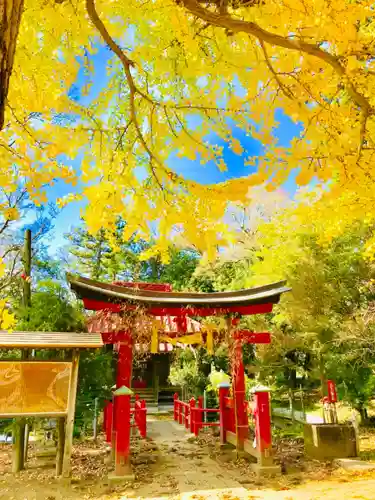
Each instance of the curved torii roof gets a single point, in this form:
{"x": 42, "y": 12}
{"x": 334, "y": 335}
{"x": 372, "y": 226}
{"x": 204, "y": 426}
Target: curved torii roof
{"x": 96, "y": 292}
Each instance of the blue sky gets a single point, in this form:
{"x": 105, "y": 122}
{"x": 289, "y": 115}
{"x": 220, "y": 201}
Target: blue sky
{"x": 206, "y": 174}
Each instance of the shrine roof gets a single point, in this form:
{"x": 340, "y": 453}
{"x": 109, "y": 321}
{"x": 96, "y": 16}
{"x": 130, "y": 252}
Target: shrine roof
{"x": 95, "y": 290}
{"x": 49, "y": 340}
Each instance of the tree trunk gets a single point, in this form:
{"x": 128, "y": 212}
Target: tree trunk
{"x": 60, "y": 445}
{"x": 364, "y": 415}
{"x": 10, "y": 13}
{"x": 18, "y": 445}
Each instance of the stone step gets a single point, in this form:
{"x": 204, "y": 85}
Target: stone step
{"x": 46, "y": 452}
{"x": 354, "y": 464}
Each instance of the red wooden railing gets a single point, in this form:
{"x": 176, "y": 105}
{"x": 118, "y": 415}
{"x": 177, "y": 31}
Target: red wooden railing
{"x": 191, "y": 414}
{"x": 138, "y": 419}
{"x": 139, "y": 413}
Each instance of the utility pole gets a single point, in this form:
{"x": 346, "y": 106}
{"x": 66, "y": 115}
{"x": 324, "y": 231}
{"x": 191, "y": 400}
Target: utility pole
{"x": 27, "y": 270}
{"x": 21, "y": 434}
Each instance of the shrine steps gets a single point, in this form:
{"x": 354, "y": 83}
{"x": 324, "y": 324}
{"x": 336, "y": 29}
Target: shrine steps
{"x": 147, "y": 394}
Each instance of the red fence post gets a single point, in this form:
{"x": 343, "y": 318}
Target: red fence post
{"x": 196, "y": 421}
{"x": 262, "y": 414}
{"x": 192, "y": 415}
{"x": 187, "y": 407}
{"x": 199, "y": 419}
{"x": 175, "y": 406}
{"x": 180, "y": 410}
{"x": 143, "y": 419}
{"x": 223, "y": 414}
{"x": 122, "y": 419}
{"x": 121, "y": 413}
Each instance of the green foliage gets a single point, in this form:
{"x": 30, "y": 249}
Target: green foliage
{"x": 185, "y": 372}
{"x": 324, "y": 328}
{"x": 180, "y": 268}
{"x": 220, "y": 276}
{"x": 112, "y": 259}
{"x": 96, "y": 377}
{"x": 103, "y": 258}
{"x": 52, "y": 310}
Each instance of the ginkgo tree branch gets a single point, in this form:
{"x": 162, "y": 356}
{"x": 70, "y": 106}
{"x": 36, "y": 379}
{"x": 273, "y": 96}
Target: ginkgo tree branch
{"x": 283, "y": 87}
{"x": 234, "y": 25}
{"x": 127, "y": 63}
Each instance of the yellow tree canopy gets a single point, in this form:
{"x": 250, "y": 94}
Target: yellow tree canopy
{"x": 179, "y": 71}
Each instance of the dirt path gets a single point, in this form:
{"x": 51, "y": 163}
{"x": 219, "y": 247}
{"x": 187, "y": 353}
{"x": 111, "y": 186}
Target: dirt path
{"x": 183, "y": 467}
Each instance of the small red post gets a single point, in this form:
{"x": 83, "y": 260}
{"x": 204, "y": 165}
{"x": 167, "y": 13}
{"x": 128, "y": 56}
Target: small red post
{"x": 122, "y": 404}
{"x": 223, "y": 394}
{"x": 192, "y": 415}
{"x": 122, "y": 453}
{"x": 143, "y": 419}
{"x": 262, "y": 414}
{"x": 332, "y": 393}
{"x": 180, "y": 412}
{"x": 175, "y": 407}
{"x": 199, "y": 418}
{"x": 187, "y": 407}
{"x": 196, "y": 421}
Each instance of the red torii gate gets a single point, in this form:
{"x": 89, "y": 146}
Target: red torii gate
{"x": 159, "y": 300}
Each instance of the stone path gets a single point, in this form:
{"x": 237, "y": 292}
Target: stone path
{"x": 184, "y": 469}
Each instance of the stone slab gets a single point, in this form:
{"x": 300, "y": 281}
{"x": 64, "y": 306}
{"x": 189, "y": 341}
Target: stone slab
{"x": 116, "y": 480}
{"x": 330, "y": 441}
{"x": 266, "y": 470}
{"x": 46, "y": 452}
{"x": 353, "y": 464}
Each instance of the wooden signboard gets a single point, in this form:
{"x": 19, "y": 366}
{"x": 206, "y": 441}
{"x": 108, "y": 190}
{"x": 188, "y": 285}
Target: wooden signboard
{"x": 34, "y": 388}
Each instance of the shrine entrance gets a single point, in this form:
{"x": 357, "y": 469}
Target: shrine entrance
{"x": 120, "y": 300}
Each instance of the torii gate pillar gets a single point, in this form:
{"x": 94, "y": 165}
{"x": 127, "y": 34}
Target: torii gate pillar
{"x": 239, "y": 395}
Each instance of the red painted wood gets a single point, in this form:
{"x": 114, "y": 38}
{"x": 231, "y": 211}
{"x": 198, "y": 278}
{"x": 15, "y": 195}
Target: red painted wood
{"x": 143, "y": 419}
{"x": 239, "y": 393}
{"x": 122, "y": 405}
{"x": 223, "y": 416}
{"x": 248, "y": 337}
{"x": 332, "y": 393}
{"x": 262, "y": 414}
{"x": 181, "y": 323}
{"x": 96, "y": 305}
{"x": 175, "y": 406}
{"x": 180, "y": 412}
{"x": 114, "y": 337}
{"x": 124, "y": 360}
{"x": 192, "y": 415}
{"x": 187, "y": 411}
{"x": 199, "y": 415}
{"x": 122, "y": 446}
